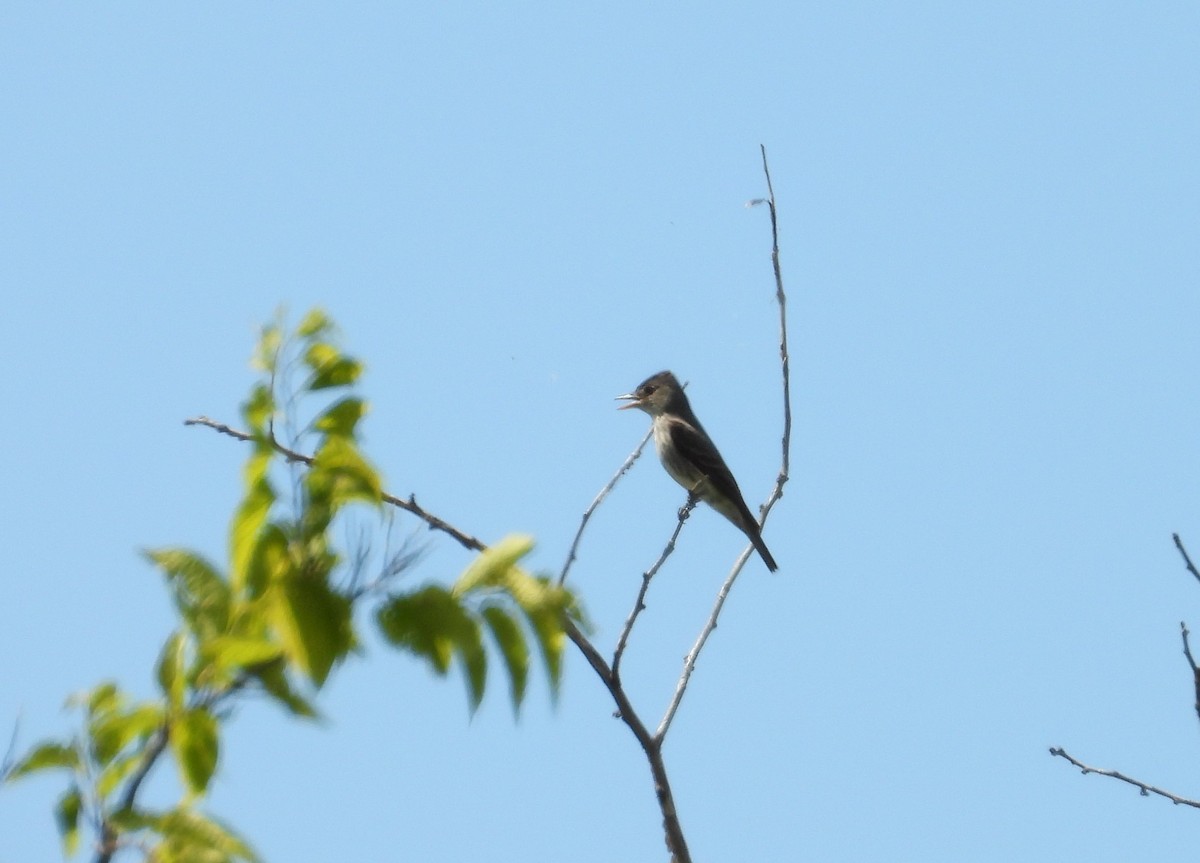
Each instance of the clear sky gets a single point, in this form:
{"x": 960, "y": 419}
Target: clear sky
{"x": 518, "y": 211}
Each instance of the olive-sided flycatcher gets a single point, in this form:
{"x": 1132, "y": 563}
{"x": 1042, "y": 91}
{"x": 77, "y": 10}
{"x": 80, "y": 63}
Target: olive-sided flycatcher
{"x": 690, "y": 457}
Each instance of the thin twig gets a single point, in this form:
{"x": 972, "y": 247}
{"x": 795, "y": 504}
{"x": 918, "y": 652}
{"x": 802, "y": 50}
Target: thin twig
{"x": 781, "y": 299}
{"x": 608, "y": 487}
{"x": 244, "y": 436}
{"x": 109, "y": 843}
{"x": 689, "y": 662}
{"x": 1145, "y": 788}
{"x": 10, "y": 755}
{"x": 639, "y": 604}
{"x": 410, "y": 505}
{"x": 1191, "y": 567}
{"x": 1187, "y": 651}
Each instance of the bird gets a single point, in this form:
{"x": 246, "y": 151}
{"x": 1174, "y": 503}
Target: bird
{"x": 690, "y": 457}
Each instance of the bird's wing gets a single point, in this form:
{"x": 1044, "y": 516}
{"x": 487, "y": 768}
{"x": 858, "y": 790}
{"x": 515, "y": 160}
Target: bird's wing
{"x": 694, "y": 445}
{"x": 697, "y": 447}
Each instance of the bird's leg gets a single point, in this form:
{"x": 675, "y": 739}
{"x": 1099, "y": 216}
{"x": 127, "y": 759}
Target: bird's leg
{"x": 692, "y": 499}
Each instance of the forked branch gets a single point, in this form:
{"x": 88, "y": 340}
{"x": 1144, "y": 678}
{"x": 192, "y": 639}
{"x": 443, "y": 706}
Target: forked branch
{"x": 609, "y": 675}
{"x": 1146, "y": 788}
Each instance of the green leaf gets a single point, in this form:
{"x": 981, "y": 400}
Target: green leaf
{"x": 274, "y": 680}
{"x": 339, "y": 467}
{"x": 341, "y": 418}
{"x": 132, "y": 819}
{"x": 66, "y": 816}
{"x": 101, "y": 699}
{"x": 491, "y": 567}
{"x": 320, "y": 354}
{"x": 171, "y": 674}
{"x": 258, "y": 410}
{"x": 229, "y": 653}
{"x": 250, "y": 518}
{"x": 330, "y": 367}
{"x": 268, "y": 560}
{"x": 420, "y": 621}
{"x": 187, "y": 834}
{"x": 44, "y": 756}
{"x": 474, "y": 661}
{"x": 266, "y": 352}
{"x": 546, "y": 607}
{"x": 547, "y": 623}
{"x": 201, "y": 594}
{"x": 313, "y": 623}
{"x": 116, "y": 772}
{"x": 113, "y": 731}
{"x": 194, "y": 742}
{"x": 532, "y": 592}
{"x": 315, "y": 323}
{"x": 432, "y": 624}
{"x": 343, "y": 372}
{"x": 511, "y": 641}
{"x": 543, "y": 604}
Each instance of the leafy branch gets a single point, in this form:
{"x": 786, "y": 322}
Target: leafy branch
{"x": 277, "y": 620}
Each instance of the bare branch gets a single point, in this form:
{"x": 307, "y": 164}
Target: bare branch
{"x": 1191, "y": 567}
{"x": 1145, "y": 788}
{"x": 410, "y": 505}
{"x": 625, "y": 711}
{"x": 781, "y": 299}
{"x": 689, "y": 662}
{"x": 639, "y": 604}
{"x": 1187, "y": 651}
{"x": 608, "y": 487}
{"x": 651, "y": 745}
{"x": 221, "y": 428}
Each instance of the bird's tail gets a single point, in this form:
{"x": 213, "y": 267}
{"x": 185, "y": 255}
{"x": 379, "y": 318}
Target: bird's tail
{"x": 761, "y": 548}
{"x": 739, "y": 514}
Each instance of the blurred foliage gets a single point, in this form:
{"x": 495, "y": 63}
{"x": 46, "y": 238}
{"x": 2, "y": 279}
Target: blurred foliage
{"x": 278, "y": 621}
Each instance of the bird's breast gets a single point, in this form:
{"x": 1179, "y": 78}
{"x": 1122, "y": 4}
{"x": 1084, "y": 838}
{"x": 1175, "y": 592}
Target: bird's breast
{"x": 681, "y": 470}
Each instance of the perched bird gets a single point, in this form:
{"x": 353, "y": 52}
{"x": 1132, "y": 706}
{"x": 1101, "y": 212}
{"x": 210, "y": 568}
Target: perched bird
{"x": 690, "y": 457}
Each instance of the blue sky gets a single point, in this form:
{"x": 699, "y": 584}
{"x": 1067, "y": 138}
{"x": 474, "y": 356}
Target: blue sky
{"x": 518, "y": 211}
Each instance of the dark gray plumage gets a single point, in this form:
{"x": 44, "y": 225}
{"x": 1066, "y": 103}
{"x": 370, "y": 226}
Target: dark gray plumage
{"x": 690, "y": 456}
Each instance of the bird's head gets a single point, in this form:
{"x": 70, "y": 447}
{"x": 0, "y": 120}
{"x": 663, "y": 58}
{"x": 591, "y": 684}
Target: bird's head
{"x": 654, "y": 394}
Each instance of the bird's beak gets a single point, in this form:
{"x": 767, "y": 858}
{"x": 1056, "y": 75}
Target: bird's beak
{"x": 633, "y": 400}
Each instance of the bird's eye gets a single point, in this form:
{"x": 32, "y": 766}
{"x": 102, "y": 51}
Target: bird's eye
{"x": 648, "y": 390}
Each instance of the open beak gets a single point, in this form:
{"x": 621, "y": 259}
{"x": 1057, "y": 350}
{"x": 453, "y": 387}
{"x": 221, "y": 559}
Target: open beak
{"x": 633, "y": 400}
